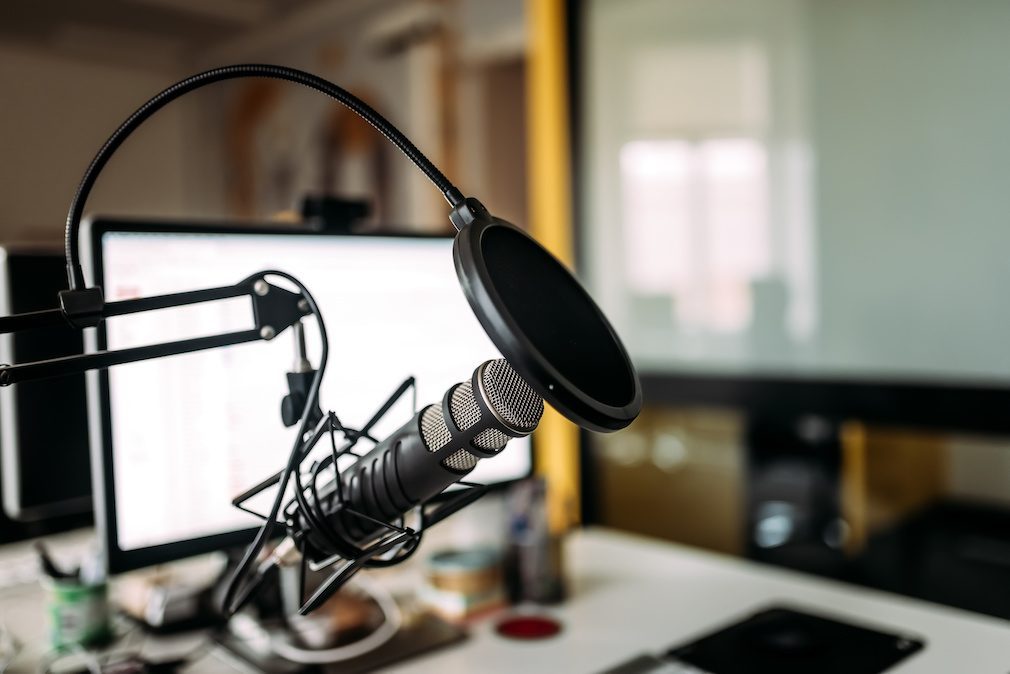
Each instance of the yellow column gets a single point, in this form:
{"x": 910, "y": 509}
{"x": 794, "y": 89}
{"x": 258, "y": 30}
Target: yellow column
{"x": 853, "y": 487}
{"x": 551, "y": 224}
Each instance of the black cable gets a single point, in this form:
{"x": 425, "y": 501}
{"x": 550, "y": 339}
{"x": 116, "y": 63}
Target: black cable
{"x": 308, "y": 511}
{"x": 239, "y": 500}
{"x": 74, "y": 271}
{"x": 332, "y": 458}
{"x": 313, "y": 511}
{"x": 322, "y": 525}
{"x": 403, "y": 555}
{"x": 317, "y": 506}
{"x": 238, "y": 581}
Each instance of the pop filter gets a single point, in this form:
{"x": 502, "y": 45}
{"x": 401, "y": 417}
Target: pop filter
{"x": 544, "y": 322}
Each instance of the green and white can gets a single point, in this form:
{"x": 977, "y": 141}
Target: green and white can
{"x": 78, "y": 614}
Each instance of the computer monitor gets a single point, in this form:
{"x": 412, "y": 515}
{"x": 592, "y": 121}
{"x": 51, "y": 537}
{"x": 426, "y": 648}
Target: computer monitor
{"x": 46, "y": 483}
{"x": 177, "y": 438}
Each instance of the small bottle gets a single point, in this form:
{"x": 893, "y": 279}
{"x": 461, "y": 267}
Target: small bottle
{"x": 533, "y": 559}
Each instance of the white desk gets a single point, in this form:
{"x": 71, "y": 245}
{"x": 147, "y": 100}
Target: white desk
{"x": 632, "y": 595}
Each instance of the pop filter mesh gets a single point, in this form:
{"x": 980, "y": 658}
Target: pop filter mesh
{"x": 557, "y": 316}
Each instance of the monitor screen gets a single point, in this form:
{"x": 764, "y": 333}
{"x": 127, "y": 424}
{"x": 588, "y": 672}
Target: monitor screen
{"x": 188, "y": 433}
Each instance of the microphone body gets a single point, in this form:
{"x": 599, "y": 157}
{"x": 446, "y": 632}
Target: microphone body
{"x": 436, "y": 448}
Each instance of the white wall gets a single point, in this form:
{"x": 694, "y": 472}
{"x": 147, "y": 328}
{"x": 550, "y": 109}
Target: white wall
{"x": 911, "y": 100}
{"x": 54, "y": 115}
{"x": 885, "y": 132}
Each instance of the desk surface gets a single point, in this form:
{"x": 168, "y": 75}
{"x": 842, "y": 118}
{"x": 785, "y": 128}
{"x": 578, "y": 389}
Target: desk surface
{"x": 632, "y": 595}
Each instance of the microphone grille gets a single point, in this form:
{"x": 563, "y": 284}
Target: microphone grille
{"x": 511, "y": 397}
{"x": 463, "y": 406}
{"x": 466, "y": 413}
{"x": 436, "y": 435}
{"x": 502, "y": 390}
{"x": 434, "y": 432}
{"x": 460, "y": 461}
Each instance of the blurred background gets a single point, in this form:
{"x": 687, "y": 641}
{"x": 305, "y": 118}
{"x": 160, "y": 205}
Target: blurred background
{"x": 794, "y": 212}
{"x": 442, "y": 71}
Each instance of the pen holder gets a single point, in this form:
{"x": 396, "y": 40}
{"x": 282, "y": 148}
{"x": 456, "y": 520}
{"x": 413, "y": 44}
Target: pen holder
{"x": 78, "y": 613}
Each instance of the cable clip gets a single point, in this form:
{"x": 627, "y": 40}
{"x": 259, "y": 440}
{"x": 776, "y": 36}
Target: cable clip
{"x": 82, "y": 308}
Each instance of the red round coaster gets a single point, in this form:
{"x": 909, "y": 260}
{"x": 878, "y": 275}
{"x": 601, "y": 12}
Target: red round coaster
{"x": 528, "y": 627}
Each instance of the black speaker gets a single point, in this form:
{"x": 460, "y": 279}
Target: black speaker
{"x": 794, "y": 509}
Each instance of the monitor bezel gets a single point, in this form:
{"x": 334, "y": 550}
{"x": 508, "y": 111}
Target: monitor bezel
{"x": 116, "y": 559}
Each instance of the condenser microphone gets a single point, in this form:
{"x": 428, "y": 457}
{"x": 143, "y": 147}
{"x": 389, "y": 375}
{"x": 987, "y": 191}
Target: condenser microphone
{"x": 438, "y": 447}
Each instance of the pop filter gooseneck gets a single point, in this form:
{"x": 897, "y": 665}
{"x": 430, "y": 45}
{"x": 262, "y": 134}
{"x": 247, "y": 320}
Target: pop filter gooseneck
{"x": 537, "y": 314}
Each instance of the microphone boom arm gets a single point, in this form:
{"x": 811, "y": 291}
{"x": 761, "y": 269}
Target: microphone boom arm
{"x": 275, "y": 309}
